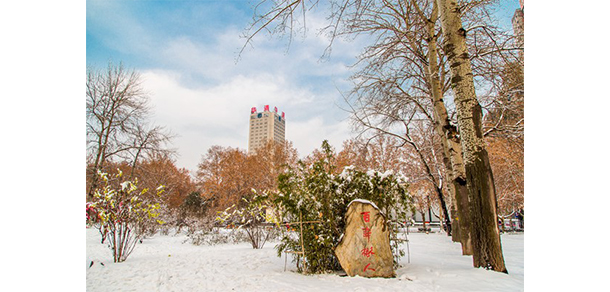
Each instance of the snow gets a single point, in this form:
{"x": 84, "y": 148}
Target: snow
{"x": 386, "y": 174}
{"x": 170, "y": 263}
{"x": 363, "y": 201}
{"x": 346, "y": 174}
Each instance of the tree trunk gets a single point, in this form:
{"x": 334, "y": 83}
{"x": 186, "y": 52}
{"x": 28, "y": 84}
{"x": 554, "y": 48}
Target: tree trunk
{"x": 445, "y": 214}
{"x": 452, "y": 151}
{"x": 487, "y": 248}
{"x": 463, "y": 215}
{"x": 423, "y": 217}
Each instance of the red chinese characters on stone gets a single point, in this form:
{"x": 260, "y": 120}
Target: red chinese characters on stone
{"x": 367, "y": 252}
{"x": 364, "y": 250}
{"x": 366, "y": 233}
{"x": 366, "y": 216}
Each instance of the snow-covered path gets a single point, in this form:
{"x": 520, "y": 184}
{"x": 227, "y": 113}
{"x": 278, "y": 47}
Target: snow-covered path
{"x": 165, "y": 263}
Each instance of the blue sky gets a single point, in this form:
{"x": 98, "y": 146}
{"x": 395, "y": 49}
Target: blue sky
{"x": 187, "y": 53}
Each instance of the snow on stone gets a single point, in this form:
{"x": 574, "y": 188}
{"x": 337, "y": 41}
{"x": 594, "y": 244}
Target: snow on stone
{"x": 364, "y": 202}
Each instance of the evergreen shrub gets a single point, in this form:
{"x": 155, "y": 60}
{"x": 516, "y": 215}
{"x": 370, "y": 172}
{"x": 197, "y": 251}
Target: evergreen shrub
{"x": 318, "y": 193}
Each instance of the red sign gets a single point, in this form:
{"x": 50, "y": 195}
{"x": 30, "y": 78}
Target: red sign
{"x": 253, "y": 110}
{"x": 267, "y": 108}
{"x": 283, "y": 116}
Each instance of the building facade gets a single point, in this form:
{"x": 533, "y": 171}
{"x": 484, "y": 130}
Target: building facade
{"x": 265, "y": 126}
{"x": 519, "y": 26}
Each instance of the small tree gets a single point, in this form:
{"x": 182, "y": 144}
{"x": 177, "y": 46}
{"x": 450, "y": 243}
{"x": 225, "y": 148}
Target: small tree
{"x": 122, "y": 212}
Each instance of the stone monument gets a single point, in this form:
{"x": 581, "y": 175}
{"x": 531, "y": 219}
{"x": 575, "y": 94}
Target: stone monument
{"x": 364, "y": 249}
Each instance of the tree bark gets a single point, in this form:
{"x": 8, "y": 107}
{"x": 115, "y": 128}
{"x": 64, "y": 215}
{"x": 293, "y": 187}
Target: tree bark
{"x": 487, "y": 248}
{"x": 452, "y": 151}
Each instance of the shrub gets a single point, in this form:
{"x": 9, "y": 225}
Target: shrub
{"x": 205, "y": 231}
{"x": 194, "y": 205}
{"x": 123, "y": 213}
{"x": 252, "y": 219}
{"x": 316, "y": 194}
{"x": 216, "y": 236}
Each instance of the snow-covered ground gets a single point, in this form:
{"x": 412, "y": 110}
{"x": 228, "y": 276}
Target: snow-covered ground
{"x": 165, "y": 263}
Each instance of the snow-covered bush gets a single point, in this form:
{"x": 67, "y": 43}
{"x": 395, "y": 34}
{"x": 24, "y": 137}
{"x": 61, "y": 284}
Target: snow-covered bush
{"x": 318, "y": 193}
{"x": 123, "y": 213}
{"x": 217, "y": 236}
{"x": 204, "y": 231}
{"x": 252, "y": 218}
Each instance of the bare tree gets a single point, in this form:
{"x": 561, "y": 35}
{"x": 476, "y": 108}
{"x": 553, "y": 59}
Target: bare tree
{"x": 414, "y": 133}
{"x": 148, "y": 142}
{"x": 117, "y": 109}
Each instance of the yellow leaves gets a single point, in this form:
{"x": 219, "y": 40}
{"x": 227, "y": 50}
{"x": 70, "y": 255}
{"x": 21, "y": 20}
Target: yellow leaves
{"x": 152, "y": 214}
{"x": 222, "y": 216}
{"x": 160, "y": 190}
{"x": 102, "y": 175}
{"x": 132, "y": 187}
{"x": 122, "y": 203}
{"x": 103, "y": 217}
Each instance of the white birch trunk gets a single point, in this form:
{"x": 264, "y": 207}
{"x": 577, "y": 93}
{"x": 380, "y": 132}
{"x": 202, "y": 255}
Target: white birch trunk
{"x": 452, "y": 151}
{"x": 487, "y": 248}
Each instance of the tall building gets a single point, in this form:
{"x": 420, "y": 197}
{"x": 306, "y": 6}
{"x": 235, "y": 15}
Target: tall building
{"x": 265, "y": 126}
{"x": 519, "y": 25}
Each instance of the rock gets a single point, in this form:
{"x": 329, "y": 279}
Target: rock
{"x": 364, "y": 248}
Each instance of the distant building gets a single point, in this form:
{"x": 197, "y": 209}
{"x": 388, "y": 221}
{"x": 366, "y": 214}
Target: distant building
{"x": 265, "y": 126}
{"x": 519, "y": 25}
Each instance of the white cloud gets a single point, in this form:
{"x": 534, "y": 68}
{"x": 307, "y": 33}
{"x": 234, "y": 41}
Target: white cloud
{"x": 218, "y": 115}
{"x": 308, "y": 135}
{"x": 214, "y": 60}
